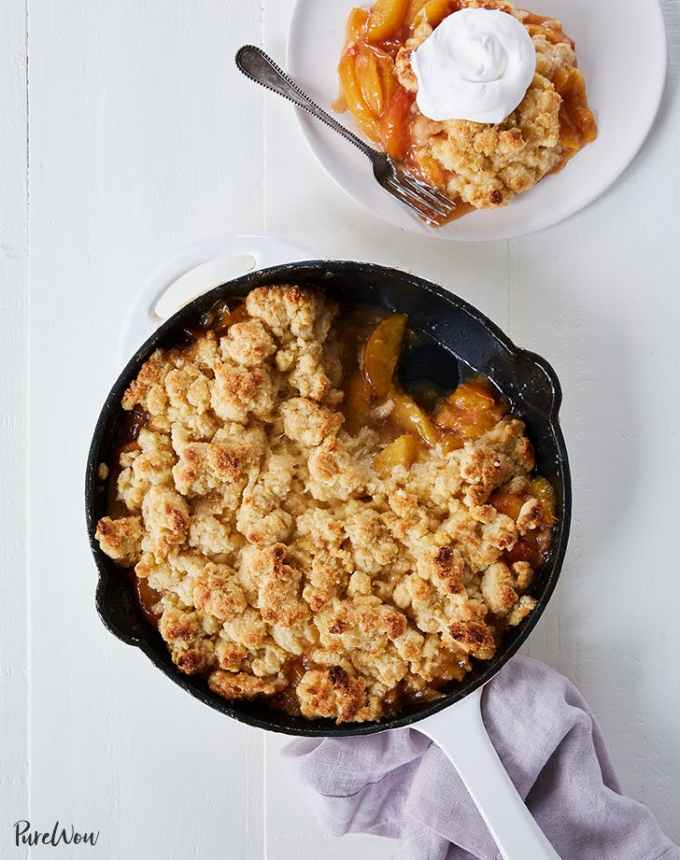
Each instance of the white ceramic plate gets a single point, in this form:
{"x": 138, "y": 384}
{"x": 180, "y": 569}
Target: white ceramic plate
{"x": 621, "y": 46}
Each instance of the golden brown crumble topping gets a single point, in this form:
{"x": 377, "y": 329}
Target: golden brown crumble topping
{"x": 339, "y": 575}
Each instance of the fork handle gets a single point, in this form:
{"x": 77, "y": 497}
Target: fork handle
{"x": 260, "y": 67}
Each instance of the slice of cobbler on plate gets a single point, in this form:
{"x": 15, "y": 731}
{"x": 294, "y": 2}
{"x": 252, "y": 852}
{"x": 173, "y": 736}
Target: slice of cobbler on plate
{"x": 478, "y": 98}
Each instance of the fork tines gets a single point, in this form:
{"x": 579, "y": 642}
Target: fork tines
{"x": 431, "y": 204}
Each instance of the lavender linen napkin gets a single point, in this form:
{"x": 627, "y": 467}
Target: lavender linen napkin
{"x": 398, "y": 784}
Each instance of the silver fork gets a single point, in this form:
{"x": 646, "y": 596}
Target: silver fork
{"x": 431, "y": 205}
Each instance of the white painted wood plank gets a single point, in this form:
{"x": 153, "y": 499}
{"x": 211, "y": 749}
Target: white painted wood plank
{"x": 599, "y": 297}
{"x": 142, "y": 139}
{"x": 14, "y": 799}
{"x": 132, "y": 156}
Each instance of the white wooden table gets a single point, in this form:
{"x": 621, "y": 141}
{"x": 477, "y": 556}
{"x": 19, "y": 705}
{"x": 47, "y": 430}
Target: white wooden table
{"x": 127, "y": 133}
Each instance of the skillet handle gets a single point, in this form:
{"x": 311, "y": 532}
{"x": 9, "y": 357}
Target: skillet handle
{"x": 460, "y": 734}
{"x": 196, "y": 270}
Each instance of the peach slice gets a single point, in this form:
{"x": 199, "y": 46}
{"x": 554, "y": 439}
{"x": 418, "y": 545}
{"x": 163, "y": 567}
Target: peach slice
{"x": 408, "y": 416}
{"x": 402, "y": 452}
{"x": 544, "y": 491}
{"x": 351, "y": 92}
{"x": 437, "y": 10}
{"x": 471, "y": 411}
{"x": 396, "y": 126}
{"x": 387, "y": 18}
{"x": 414, "y": 8}
{"x": 508, "y": 503}
{"x": 357, "y": 406}
{"x": 356, "y": 24}
{"x": 382, "y": 352}
{"x": 370, "y": 81}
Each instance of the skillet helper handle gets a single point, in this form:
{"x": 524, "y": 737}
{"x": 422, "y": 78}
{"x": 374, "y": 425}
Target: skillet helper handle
{"x": 460, "y": 733}
{"x": 197, "y": 269}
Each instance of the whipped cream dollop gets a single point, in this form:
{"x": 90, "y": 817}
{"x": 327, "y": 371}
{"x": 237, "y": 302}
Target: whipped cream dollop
{"x": 477, "y": 65}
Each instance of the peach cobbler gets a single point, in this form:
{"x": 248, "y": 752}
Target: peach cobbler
{"x": 301, "y": 528}
{"x": 392, "y": 54}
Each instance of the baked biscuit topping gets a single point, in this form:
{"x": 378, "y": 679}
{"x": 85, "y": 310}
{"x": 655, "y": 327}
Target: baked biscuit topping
{"x": 338, "y": 574}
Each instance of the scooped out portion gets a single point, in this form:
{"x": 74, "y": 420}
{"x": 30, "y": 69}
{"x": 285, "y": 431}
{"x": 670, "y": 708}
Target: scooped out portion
{"x": 301, "y": 529}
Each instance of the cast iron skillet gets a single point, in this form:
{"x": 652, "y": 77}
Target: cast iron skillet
{"x": 453, "y": 340}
